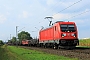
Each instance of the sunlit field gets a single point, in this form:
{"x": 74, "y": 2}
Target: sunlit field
{"x": 84, "y": 42}
{"x": 17, "y": 53}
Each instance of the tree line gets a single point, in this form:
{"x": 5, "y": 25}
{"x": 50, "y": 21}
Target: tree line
{"x": 21, "y": 36}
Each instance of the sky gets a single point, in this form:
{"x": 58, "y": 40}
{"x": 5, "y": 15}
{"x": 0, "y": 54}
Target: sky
{"x": 29, "y": 16}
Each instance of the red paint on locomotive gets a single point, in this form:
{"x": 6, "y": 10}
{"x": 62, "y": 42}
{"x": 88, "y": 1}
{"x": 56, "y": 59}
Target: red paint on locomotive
{"x": 60, "y": 32}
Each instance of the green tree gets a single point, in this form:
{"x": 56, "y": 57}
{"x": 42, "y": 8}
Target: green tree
{"x": 24, "y": 36}
{"x": 9, "y": 41}
{"x": 1, "y": 42}
{"x": 13, "y": 39}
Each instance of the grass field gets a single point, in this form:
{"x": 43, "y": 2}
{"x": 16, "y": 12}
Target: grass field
{"x": 5, "y": 54}
{"x": 84, "y": 42}
{"x": 17, "y": 53}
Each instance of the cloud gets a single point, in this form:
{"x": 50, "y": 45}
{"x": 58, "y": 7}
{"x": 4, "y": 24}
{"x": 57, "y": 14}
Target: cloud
{"x": 51, "y": 2}
{"x": 61, "y": 16}
{"x": 2, "y": 18}
{"x": 75, "y": 15}
{"x": 69, "y": 6}
{"x": 24, "y": 14}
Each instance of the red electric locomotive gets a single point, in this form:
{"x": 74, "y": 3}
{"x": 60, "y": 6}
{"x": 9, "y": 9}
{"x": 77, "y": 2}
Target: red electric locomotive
{"x": 60, "y": 34}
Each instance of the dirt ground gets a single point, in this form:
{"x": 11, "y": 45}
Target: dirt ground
{"x": 78, "y": 52}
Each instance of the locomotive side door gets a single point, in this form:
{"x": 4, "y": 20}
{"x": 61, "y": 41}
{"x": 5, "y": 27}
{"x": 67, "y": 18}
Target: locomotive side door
{"x": 56, "y": 32}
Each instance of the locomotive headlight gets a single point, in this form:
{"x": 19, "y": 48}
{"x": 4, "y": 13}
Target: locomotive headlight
{"x": 73, "y": 35}
{"x": 63, "y": 35}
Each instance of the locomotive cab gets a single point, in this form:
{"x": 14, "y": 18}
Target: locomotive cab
{"x": 69, "y": 34}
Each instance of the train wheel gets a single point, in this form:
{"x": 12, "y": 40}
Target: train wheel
{"x": 55, "y": 46}
{"x": 46, "y": 45}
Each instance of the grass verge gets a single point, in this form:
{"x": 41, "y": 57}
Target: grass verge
{"x": 17, "y": 53}
{"x": 5, "y": 54}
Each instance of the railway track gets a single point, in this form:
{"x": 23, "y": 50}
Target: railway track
{"x": 80, "y": 53}
{"x": 81, "y": 50}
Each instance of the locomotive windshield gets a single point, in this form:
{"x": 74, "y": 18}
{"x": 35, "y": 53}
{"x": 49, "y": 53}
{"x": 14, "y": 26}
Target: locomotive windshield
{"x": 68, "y": 27}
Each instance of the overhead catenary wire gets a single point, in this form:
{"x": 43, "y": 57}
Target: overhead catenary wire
{"x": 51, "y": 10}
{"x": 79, "y": 14}
{"x": 64, "y": 9}
{"x": 68, "y": 7}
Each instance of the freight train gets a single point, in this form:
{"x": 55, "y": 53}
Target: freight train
{"x": 59, "y": 35}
